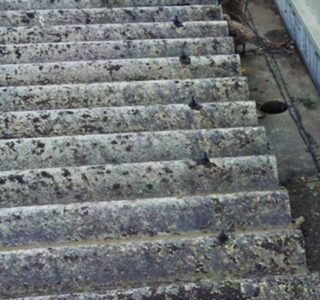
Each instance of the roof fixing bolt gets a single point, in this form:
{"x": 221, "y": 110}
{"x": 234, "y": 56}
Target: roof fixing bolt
{"x": 194, "y": 105}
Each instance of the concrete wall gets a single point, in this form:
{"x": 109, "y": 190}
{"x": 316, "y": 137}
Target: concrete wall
{"x": 302, "y": 18}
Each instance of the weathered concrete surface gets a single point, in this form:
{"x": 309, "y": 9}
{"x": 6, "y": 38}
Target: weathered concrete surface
{"x": 103, "y": 32}
{"x": 105, "y": 15}
{"x": 106, "y": 94}
{"x": 298, "y": 287}
{"x": 119, "y": 70}
{"x": 137, "y": 180}
{"x": 148, "y": 217}
{"x": 126, "y": 119}
{"x": 159, "y": 209}
{"x": 62, "y": 4}
{"x": 116, "y": 265}
{"x": 55, "y": 52}
{"x": 131, "y": 147}
{"x": 296, "y": 168}
{"x": 293, "y": 159}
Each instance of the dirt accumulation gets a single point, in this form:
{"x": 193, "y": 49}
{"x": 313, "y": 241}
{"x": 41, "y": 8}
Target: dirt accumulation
{"x": 297, "y": 171}
{"x": 305, "y": 202}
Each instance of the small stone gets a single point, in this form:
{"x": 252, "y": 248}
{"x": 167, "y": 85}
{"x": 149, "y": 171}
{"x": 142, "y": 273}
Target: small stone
{"x": 303, "y": 178}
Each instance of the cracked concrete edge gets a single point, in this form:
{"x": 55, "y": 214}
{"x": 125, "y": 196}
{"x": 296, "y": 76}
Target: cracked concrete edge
{"x": 124, "y": 264}
{"x": 103, "y": 32}
{"x": 131, "y": 147}
{"x": 119, "y": 70}
{"x": 126, "y": 119}
{"x": 104, "y": 15}
{"x": 59, "y": 52}
{"x": 71, "y": 4}
{"x": 106, "y": 94}
{"x": 287, "y": 287}
{"x": 137, "y": 180}
{"x": 87, "y": 221}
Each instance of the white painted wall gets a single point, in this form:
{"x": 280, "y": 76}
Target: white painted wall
{"x": 302, "y": 18}
{"x": 309, "y": 12}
